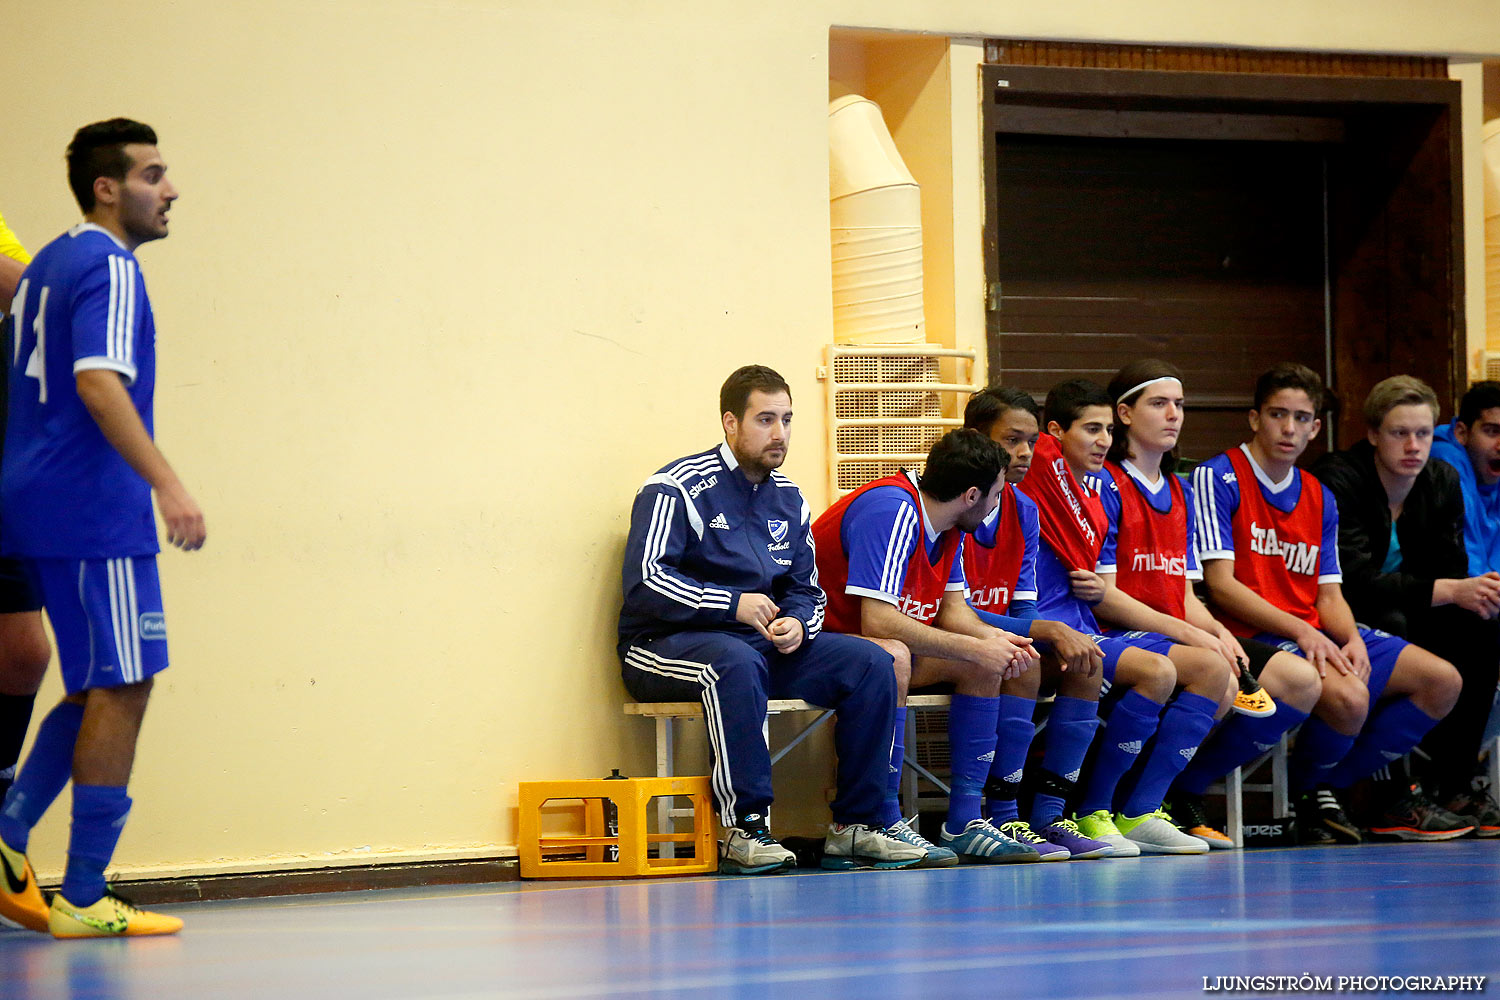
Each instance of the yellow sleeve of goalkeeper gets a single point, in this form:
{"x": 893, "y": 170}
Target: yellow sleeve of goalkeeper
{"x": 10, "y": 246}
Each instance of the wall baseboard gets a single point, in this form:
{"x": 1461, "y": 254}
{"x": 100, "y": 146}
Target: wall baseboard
{"x": 197, "y": 888}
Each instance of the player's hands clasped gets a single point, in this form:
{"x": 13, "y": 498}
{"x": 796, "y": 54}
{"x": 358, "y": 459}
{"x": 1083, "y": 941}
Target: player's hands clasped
{"x": 786, "y": 634}
{"x": 1479, "y": 594}
{"x": 758, "y": 611}
{"x": 1012, "y": 654}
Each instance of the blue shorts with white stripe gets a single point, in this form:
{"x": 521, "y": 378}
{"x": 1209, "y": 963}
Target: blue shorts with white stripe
{"x": 107, "y": 617}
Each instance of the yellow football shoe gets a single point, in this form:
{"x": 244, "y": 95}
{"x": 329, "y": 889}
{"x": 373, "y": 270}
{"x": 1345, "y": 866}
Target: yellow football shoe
{"x": 110, "y": 917}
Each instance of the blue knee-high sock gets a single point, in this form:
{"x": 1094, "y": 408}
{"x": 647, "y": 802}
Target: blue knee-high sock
{"x": 1187, "y": 719}
{"x": 1390, "y": 732}
{"x": 971, "y": 739}
{"x": 892, "y": 813}
{"x": 99, "y": 813}
{"x": 42, "y": 778}
{"x": 1131, "y": 723}
{"x": 1013, "y": 733}
{"x": 1319, "y": 747}
{"x": 1239, "y": 741}
{"x": 1070, "y": 730}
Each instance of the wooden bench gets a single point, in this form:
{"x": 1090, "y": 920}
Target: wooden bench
{"x": 667, "y": 714}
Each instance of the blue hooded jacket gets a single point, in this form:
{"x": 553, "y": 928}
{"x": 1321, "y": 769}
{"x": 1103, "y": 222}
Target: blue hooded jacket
{"x": 1481, "y": 504}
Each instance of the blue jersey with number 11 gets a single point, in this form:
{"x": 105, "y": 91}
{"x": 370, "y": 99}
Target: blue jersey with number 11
{"x": 65, "y": 491}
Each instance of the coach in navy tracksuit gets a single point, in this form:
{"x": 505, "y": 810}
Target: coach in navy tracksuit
{"x": 722, "y": 603}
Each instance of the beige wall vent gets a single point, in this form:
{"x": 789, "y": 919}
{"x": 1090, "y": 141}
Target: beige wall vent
{"x": 886, "y": 406}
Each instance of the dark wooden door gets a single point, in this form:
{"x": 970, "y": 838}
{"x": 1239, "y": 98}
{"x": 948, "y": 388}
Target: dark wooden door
{"x": 1207, "y": 254}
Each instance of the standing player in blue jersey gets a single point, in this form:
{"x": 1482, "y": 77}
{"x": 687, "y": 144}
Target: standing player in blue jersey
{"x": 722, "y": 605}
{"x": 1268, "y": 540}
{"x": 1138, "y": 675}
{"x": 1148, "y": 564}
{"x": 80, "y": 469}
{"x": 23, "y": 645}
{"x": 999, "y": 560}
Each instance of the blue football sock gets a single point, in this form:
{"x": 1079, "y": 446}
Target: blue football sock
{"x": 44, "y": 775}
{"x": 1013, "y": 733}
{"x": 99, "y": 813}
{"x": 1319, "y": 748}
{"x": 1241, "y": 739}
{"x": 1392, "y": 730}
{"x": 1070, "y": 730}
{"x": 1187, "y": 719}
{"x": 971, "y": 740}
{"x": 892, "y": 813}
{"x": 1131, "y": 723}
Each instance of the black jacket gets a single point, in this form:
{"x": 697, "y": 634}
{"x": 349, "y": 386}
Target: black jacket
{"x": 1430, "y": 531}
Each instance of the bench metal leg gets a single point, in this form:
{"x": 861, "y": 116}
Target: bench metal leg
{"x": 664, "y": 769}
{"x": 1281, "y": 787}
{"x": 1234, "y": 791}
{"x": 908, "y": 782}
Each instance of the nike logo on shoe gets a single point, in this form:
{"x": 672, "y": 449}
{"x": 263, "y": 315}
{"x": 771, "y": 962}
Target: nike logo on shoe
{"x": 115, "y": 926}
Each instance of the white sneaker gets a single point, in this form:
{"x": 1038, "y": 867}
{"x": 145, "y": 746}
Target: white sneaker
{"x": 936, "y": 857}
{"x": 1154, "y": 833}
{"x": 861, "y": 846}
{"x": 1100, "y": 825}
{"x": 749, "y": 849}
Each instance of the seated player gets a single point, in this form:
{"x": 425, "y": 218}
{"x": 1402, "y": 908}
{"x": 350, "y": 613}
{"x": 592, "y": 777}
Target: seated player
{"x": 1137, "y": 673}
{"x": 888, "y": 554}
{"x": 1406, "y": 571}
{"x": 999, "y": 560}
{"x": 1470, "y": 443}
{"x": 722, "y": 604}
{"x": 1148, "y": 562}
{"x": 1270, "y": 560}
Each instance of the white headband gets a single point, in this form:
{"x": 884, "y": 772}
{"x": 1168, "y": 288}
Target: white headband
{"x": 1150, "y": 381}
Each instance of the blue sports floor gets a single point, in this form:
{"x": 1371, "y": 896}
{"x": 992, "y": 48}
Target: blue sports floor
{"x": 1148, "y": 927}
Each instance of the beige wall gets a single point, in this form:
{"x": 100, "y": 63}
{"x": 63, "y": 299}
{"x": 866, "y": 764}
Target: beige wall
{"x": 446, "y": 281}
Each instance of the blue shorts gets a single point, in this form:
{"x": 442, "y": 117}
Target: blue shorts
{"x": 106, "y": 615}
{"x": 1384, "y": 649}
{"x": 1115, "y": 641}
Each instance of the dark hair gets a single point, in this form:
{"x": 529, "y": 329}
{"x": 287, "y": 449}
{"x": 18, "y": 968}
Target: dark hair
{"x": 1289, "y": 375}
{"x": 988, "y": 405}
{"x": 961, "y": 459}
{"x": 1067, "y": 401}
{"x": 734, "y": 394}
{"x": 1480, "y": 397}
{"x": 1125, "y": 380}
{"x": 98, "y": 150}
